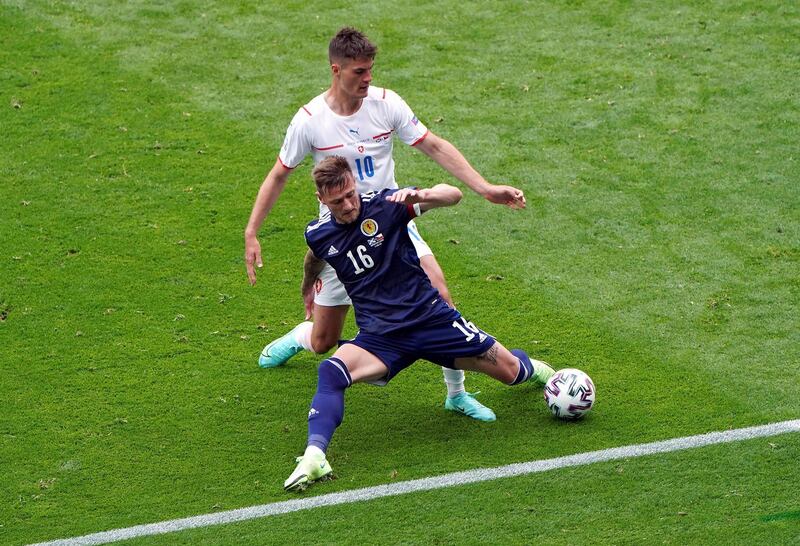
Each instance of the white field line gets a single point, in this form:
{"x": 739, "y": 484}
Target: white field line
{"x": 427, "y": 484}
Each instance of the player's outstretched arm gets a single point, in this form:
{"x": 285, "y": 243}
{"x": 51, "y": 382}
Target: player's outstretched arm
{"x": 268, "y": 193}
{"x": 441, "y": 195}
{"x": 451, "y": 160}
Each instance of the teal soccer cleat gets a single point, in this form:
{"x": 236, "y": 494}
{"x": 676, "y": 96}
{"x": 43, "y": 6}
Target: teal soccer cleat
{"x": 279, "y": 351}
{"x": 466, "y": 403}
{"x": 309, "y": 469}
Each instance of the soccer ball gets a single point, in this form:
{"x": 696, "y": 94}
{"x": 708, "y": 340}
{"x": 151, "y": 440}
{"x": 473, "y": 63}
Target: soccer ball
{"x": 569, "y": 394}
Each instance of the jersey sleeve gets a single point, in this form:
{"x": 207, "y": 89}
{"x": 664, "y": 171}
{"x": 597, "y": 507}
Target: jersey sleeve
{"x": 296, "y": 144}
{"x": 312, "y": 237}
{"x": 407, "y": 127}
{"x": 401, "y": 213}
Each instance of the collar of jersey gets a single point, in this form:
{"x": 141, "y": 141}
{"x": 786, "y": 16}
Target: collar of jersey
{"x": 327, "y": 106}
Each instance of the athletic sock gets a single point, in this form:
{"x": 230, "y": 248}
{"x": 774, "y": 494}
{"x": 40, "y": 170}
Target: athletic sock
{"x": 454, "y": 379}
{"x": 302, "y": 335}
{"x": 327, "y": 406}
{"x": 313, "y": 451}
{"x": 525, "y": 366}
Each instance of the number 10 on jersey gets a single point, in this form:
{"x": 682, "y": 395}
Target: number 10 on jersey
{"x": 365, "y": 167}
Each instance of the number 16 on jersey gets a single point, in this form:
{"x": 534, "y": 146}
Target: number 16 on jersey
{"x": 366, "y": 259}
{"x": 468, "y": 329}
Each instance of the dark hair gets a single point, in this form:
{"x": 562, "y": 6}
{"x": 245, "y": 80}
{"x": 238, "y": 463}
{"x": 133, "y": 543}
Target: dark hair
{"x": 350, "y": 43}
{"x": 331, "y": 173}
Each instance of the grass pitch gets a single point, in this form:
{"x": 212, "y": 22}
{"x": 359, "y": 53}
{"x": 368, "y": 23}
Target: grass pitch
{"x": 657, "y": 145}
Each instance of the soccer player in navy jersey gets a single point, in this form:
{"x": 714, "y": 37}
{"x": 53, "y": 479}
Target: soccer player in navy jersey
{"x": 401, "y": 317}
{"x": 359, "y": 121}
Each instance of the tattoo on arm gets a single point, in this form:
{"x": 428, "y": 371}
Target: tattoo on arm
{"x": 312, "y": 267}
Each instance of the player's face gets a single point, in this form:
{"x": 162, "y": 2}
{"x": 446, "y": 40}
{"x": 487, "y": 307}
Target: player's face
{"x": 354, "y": 76}
{"x": 343, "y": 202}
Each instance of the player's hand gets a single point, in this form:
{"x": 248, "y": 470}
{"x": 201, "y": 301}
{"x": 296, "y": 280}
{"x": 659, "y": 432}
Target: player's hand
{"x": 252, "y": 257}
{"x": 506, "y": 195}
{"x": 407, "y": 196}
{"x": 308, "y": 296}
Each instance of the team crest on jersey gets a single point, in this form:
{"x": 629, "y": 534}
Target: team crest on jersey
{"x": 369, "y": 227}
{"x": 361, "y": 149}
{"x": 376, "y": 241}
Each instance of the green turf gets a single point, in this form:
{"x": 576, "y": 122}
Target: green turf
{"x": 657, "y": 145}
{"x": 602, "y": 503}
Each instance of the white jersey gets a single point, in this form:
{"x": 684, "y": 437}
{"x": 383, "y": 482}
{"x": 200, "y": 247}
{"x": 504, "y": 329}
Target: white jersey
{"x": 365, "y": 138}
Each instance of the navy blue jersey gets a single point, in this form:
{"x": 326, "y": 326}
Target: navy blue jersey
{"x": 376, "y": 261}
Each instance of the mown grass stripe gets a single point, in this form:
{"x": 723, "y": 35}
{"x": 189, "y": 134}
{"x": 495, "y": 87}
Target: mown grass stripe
{"x": 427, "y": 484}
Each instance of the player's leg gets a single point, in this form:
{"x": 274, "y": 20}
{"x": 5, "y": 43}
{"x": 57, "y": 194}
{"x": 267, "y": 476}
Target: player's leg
{"x": 330, "y": 310}
{"x": 458, "y": 399}
{"x": 350, "y": 364}
{"x": 327, "y": 328}
{"x": 509, "y": 367}
{"x": 319, "y": 336}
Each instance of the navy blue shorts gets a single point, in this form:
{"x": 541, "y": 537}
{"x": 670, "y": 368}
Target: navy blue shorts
{"x": 440, "y": 343}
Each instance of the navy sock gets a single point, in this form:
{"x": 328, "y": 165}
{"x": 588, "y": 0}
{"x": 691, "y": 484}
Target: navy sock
{"x": 525, "y": 366}
{"x": 327, "y": 406}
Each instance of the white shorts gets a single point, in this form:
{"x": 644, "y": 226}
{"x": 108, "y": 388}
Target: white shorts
{"x": 330, "y": 291}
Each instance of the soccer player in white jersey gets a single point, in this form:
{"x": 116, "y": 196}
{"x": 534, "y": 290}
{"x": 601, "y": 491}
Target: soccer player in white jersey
{"x": 357, "y": 121}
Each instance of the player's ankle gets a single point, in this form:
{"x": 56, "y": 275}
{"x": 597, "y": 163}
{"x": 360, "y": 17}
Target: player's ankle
{"x": 314, "y": 451}
{"x": 302, "y": 335}
{"x": 454, "y": 380}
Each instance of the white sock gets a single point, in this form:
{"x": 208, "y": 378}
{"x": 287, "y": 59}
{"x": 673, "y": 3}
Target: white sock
{"x": 302, "y": 335}
{"x": 454, "y": 379}
{"x": 314, "y": 451}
